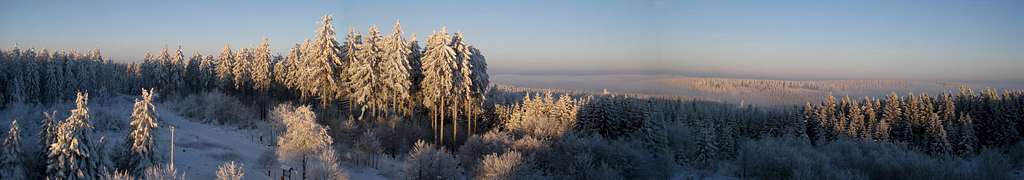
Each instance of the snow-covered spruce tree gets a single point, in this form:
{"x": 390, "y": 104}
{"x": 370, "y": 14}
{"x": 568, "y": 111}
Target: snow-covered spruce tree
{"x": 47, "y": 134}
{"x": 474, "y": 78}
{"x": 303, "y": 139}
{"x": 439, "y": 88}
{"x": 912, "y": 119}
{"x": 242, "y": 71}
{"x": 194, "y": 77}
{"x": 726, "y": 138}
{"x": 55, "y": 79}
{"x": 30, "y": 79}
{"x": 870, "y": 111}
{"x": 148, "y": 70}
{"x": 209, "y": 71}
{"x": 813, "y": 124}
{"x": 176, "y": 73}
{"x": 10, "y": 161}
{"x": 967, "y": 141}
{"x": 857, "y": 124}
{"x": 285, "y": 71}
{"x": 938, "y": 141}
{"x": 71, "y": 154}
{"x": 361, "y": 72}
{"x": 261, "y": 74}
{"x": 827, "y": 115}
{"x": 28, "y": 61}
{"x": 996, "y": 127}
{"x": 230, "y": 171}
{"x": 225, "y": 67}
{"x": 396, "y": 81}
{"x": 415, "y": 66}
{"x": 891, "y": 113}
{"x": 322, "y": 62}
{"x": 706, "y": 149}
{"x": 163, "y": 69}
{"x": 141, "y": 149}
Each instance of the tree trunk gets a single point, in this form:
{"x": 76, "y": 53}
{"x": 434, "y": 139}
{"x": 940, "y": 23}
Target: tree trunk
{"x": 304, "y": 157}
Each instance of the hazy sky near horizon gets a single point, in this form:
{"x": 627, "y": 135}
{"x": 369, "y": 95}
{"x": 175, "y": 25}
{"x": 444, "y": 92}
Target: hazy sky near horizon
{"x": 805, "y": 39}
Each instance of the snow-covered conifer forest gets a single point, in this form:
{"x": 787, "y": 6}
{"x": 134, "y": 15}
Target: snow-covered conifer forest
{"x": 381, "y": 104}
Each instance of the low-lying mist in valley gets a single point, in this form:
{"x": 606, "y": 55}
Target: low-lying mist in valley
{"x": 763, "y": 92}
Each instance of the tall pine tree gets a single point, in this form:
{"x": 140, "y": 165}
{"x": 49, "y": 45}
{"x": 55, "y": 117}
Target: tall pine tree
{"x": 72, "y": 154}
{"x": 141, "y": 149}
{"x": 10, "y": 162}
{"x": 439, "y": 80}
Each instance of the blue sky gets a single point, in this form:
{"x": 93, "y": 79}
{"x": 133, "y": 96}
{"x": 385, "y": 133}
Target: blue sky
{"x": 971, "y": 40}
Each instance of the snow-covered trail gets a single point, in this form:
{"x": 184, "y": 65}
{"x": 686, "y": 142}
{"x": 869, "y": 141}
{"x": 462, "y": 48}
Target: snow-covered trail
{"x": 200, "y": 148}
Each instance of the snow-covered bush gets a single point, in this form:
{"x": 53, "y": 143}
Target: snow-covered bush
{"x": 326, "y": 166}
{"x": 426, "y": 161}
{"x": 479, "y": 145}
{"x": 306, "y": 143}
{"x": 117, "y": 175}
{"x": 230, "y": 171}
{"x": 528, "y": 145}
{"x": 508, "y": 165}
{"x": 163, "y": 172}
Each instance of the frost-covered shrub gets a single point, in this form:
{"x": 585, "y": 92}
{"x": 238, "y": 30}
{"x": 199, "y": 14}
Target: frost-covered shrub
{"x": 116, "y": 175}
{"x": 325, "y": 166}
{"x": 230, "y": 171}
{"x": 529, "y": 145}
{"x": 305, "y": 141}
{"x": 426, "y": 161}
{"x": 508, "y": 165}
{"x": 479, "y": 145}
{"x": 162, "y": 172}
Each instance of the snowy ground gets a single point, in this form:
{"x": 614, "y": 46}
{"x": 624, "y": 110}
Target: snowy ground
{"x": 201, "y": 147}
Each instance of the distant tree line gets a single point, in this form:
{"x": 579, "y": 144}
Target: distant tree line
{"x": 960, "y": 124}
